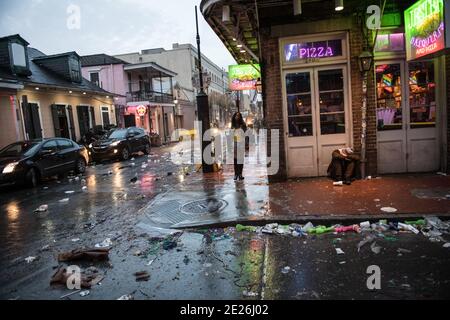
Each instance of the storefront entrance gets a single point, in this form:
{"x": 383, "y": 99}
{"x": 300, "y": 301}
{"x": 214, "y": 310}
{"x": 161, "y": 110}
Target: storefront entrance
{"x": 406, "y": 117}
{"x": 316, "y": 117}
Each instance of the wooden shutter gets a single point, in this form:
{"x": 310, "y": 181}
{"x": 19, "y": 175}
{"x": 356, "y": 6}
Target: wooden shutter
{"x": 36, "y": 120}
{"x": 84, "y": 125}
{"x": 71, "y": 124}
{"x": 91, "y": 109}
{"x": 56, "y": 120}
{"x": 27, "y": 118}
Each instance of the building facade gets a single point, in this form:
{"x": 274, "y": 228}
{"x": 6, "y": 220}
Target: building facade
{"x": 313, "y": 84}
{"x": 145, "y": 94}
{"x": 45, "y": 96}
{"x": 183, "y": 59}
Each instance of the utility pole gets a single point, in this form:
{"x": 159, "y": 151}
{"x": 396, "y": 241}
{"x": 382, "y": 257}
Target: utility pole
{"x": 202, "y": 103}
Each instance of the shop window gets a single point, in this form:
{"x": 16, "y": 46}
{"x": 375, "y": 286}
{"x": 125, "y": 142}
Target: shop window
{"x": 389, "y": 97}
{"x": 393, "y": 42}
{"x": 422, "y": 94}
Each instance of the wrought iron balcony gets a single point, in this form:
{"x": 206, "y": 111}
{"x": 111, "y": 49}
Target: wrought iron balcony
{"x": 151, "y": 96}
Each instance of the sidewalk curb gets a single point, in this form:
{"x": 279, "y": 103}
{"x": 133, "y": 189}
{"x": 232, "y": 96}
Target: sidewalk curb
{"x": 315, "y": 219}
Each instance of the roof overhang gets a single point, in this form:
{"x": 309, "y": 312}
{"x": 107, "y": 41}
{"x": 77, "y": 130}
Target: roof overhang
{"x": 241, "y": 33}
{"x": 11, "y": 85}
{"x": 151, "y": 65}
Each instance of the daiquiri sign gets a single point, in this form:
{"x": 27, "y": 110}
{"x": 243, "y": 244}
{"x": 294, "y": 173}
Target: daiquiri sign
{"x": 427, "y": 28}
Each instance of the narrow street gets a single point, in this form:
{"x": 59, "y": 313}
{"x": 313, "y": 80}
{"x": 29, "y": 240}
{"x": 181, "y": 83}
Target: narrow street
{"x": 125, "y": 204}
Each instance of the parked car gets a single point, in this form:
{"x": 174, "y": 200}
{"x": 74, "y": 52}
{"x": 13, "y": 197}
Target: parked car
{"x": 120, "y": 143}
{"x": 30, "y": 161}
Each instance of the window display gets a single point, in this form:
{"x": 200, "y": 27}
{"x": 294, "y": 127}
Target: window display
{"x": 422, "y": 94}
{"x": 389, "y": 97}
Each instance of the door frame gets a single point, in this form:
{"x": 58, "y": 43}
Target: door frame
{"x": 291, "y": 67}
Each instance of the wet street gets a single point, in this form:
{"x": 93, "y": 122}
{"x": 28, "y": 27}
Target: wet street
{"x": 122, "y": 204}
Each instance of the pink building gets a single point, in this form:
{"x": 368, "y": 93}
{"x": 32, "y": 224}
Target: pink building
{"x": 145, "y": 93}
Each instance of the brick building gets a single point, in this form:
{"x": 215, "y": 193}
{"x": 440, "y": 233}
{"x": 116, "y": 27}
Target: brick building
{"x": 309, "y": 51}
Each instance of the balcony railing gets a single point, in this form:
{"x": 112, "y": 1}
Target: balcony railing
{"x": 151, "y": 96}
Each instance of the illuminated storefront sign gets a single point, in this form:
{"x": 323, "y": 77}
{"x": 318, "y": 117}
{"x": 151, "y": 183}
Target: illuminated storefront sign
{"x": 425, "y": 28}
{"x": 312, "y": 50}
{"x": 141, "y": 110}
{"x": 244, "y": 76}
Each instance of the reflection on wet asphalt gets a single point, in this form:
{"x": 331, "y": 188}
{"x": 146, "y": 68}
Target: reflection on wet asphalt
{"x": 205, "y": 263}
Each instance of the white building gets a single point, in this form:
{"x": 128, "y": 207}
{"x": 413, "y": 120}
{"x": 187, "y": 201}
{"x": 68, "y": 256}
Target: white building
{"x": 182, "y": 59}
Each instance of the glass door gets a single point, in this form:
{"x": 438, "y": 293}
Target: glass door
{"x": 316, "y": 118}
{"x": 391, "y": 117}
{"x": 406, "y": 117}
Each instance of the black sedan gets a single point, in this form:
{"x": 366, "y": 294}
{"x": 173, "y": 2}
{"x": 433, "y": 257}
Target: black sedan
{"x": 30, "y": 161}
{"x": 120, "y": 143}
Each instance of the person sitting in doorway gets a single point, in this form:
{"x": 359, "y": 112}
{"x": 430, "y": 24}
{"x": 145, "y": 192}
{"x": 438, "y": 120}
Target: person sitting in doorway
{"x": 344, "y": 165}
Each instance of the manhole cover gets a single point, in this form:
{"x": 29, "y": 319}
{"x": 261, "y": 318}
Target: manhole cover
{"x": 204, "y": 206}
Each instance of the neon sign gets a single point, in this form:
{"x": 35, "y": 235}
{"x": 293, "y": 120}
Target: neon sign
{"x": 425, "y": 28}
{"x": 313, "y": 50}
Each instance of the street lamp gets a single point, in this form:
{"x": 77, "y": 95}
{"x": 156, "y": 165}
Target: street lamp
{"x": 365, "y": 64}
{"x": 365, "y": 61}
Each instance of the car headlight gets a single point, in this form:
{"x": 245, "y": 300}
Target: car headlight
{"x": 114, "y": 144}
{"x": 10, "y": 167}
{"x": 90, "y": 146}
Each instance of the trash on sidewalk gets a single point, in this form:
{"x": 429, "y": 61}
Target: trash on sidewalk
{"x": 320, "y": 230}
{"x": 126, "y": 297}
{"x": 42, "y": 208}
{"x": 75, "y": 239}
{"x": 339, "y": 251}
{"x": 133, "y": 180}
{"x": 354, "y": 228}
{"x": 69, "y": 192}
{"x": 389, "y": 209}
{"x": 89, "y": 278}
{"x": 419, "y": 222}
{"x": 338, "y": 183}
{"x": 30, "y": 259}
{"x": 97, "y": 254}
{"x": 286, "y": 270}
{"x": 407, "y": 227}
{"x": 366, "y": 240}
{"x": 142, "y": 276}
{"x": 446, "y": 245}
{"x": 401, "y": 250}
{"x": 64, "y": 200}
{"x": 246, "y": 293}
{"x": 84, "y": 293}
{"x": 169, "y": 244}
{"x": 104, "y": 244}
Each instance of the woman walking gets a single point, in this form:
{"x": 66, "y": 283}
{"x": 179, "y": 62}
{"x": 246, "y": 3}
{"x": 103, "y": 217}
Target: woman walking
{"x": 237, "y": 124}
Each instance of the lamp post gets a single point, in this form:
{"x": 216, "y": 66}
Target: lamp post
{"x": 202, "y": 104}
{"x": 365, "y": 65}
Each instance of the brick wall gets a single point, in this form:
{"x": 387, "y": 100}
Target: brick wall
{"x": 271, "y": 75}
{"x": 273, "y": 105}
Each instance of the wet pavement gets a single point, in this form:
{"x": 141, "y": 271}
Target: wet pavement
{"x": 124, "y": 201}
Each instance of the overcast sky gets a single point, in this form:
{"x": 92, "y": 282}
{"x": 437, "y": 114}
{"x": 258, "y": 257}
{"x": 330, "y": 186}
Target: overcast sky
{"x": 109, "y": 26}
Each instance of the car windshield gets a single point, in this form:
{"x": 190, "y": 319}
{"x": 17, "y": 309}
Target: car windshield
{"x": 20, "y": 149}
{"x": 118, "y": 134}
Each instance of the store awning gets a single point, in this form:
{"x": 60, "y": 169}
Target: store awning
{"x": 247, "y": 19}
